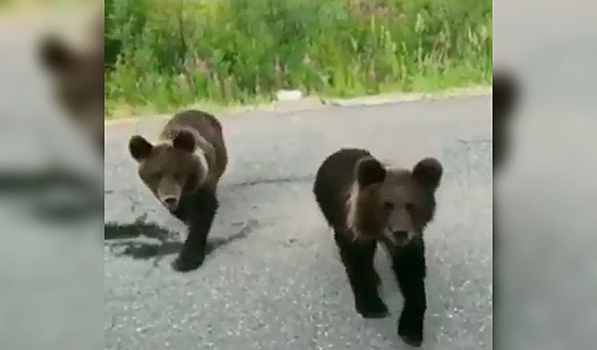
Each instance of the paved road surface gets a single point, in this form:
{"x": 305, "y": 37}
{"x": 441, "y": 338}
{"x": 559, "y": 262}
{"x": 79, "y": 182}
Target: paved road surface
{"x": 273, "y": 279}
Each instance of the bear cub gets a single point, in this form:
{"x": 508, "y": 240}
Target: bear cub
{"x": 366, "y": 202}
{"x": 182, "y": 170}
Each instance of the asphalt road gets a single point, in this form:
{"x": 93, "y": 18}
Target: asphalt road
{"x": 273, "y": 279}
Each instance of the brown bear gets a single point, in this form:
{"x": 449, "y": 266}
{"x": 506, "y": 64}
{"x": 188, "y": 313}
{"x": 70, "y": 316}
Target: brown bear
{"x": 182, "y": 170}
{"x": 79, "y": 82}
{"x": 365, "y": 202}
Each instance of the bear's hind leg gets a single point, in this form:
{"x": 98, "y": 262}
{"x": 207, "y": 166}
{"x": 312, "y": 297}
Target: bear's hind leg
{"x": 409, "y": 267}
{"x": 358, "y": 262}
{"x": 201, "y": 214}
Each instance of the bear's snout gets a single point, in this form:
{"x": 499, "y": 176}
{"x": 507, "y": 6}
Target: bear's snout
{"x": 400, "y": 236}
{"x": 171, "y": 203}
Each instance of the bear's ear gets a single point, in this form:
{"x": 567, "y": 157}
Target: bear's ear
{"x": 370, "y": 171}
{"x": 55, "y": 56}
{"x": 428, "y": 172}
{"x": 139, "y": 148}
{"x": 184, "y": 141}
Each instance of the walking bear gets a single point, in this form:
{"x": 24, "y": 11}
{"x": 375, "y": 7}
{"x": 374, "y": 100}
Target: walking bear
{"x": 365, "y": 202}
{"x": 182, "y": 170}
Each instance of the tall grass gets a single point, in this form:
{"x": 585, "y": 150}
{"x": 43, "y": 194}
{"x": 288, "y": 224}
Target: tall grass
{"x": 168, "y": 53}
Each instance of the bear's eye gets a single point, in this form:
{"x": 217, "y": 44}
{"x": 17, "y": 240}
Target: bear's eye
{"x": 409, "y": 206}
{"x": 389, "y": 205}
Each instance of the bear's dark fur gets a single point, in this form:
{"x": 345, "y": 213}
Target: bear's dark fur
{"x": 505, "y": 99}
{"x": 182, "y": 170}
{"x": 366, "y": 202}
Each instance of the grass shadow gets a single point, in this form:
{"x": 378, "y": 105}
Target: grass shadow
{"x": 132, "y": 240}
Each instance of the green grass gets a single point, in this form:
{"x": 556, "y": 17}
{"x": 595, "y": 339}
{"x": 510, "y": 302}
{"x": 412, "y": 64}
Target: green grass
{"x": 172, "y": 53}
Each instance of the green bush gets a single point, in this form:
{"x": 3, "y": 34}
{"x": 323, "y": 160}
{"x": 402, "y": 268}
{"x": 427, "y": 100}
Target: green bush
{"x": 177, "y": 52}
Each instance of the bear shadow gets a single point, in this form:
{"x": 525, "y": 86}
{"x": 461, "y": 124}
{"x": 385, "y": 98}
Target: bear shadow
{"x": 128, "y": 244}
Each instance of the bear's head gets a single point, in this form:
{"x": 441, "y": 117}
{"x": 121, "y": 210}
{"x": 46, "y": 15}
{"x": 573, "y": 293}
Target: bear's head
{"x": 79, "y": 84}
{"x": 79, "y": 76}
{"x": 170, "y": 169}
{"x": 393, "y": 205}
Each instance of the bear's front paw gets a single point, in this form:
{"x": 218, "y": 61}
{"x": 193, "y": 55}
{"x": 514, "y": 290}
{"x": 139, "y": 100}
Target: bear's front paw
{"x": 187, "y": 262}
{"x": 372, "y": 307}
{"x": 410, "y": 329}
